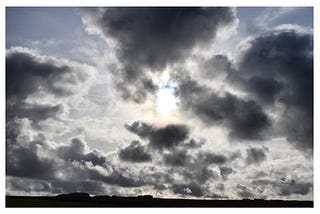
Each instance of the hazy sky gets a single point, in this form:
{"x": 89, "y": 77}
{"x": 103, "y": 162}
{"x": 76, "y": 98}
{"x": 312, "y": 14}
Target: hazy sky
{"x": 173, "y": 102}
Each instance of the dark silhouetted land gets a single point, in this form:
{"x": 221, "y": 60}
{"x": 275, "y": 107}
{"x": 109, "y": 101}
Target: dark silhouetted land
{"x": 84, "y": 200}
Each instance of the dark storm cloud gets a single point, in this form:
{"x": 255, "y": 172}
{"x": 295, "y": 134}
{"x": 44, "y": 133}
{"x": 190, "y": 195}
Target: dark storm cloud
{"x": 204, "y": 174}
{"x": 139, "y": 128}
{"x": 135, "y": 152}
{"x": 197, "y": 166}
{"x": 34, "y": 112}
{"x": 160, "y": 138}
{"x": 256, "y": 155}
{"x": 245, "y": 118}
{"x": 168, "y": 136}
{"x": 285, "y": 188}
{"x": 217, "y": 66}
{"x": 28, "y": 73}
{"x": 225, "y": 171}
{"x": 212, "y": 158}
{"x": 197, "y": 172}
{"x": 293, "y": 187}
{"x": 76, "y": 150}
{"x": 22, "y": 160}
{"x": 267, "y": 89}
{"x": 39, "y": 159}
{"x": 151, "y": 38}
{"x": 278, "y": 67}
{"x": 177, "y": 158}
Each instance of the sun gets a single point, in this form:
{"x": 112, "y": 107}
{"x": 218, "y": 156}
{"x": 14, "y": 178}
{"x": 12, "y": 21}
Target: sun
{"x": 166, "y": 100}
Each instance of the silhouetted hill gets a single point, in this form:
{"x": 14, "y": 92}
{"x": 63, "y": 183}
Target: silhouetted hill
{"x": 85, "y": 200}
{"x": 74, "y": 195}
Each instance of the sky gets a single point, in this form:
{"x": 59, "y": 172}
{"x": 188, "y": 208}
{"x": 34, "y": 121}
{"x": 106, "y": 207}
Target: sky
{"x": 212, "y": 103}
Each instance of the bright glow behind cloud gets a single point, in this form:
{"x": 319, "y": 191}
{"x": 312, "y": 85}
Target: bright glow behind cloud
{"x": 166, "y": 101}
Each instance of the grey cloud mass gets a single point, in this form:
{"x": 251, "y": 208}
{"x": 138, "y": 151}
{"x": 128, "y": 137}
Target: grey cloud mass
{"x": 212, "y": 158}
{"x": 177, "y": 158}
{"x": 294, "y": 187}
{"x": 278, "y": 67}
{"x": 285, "y": 188}
{"x": 22, "y": 159}
{"x": 192, "y": 189}
{"x": 256, "y": 155}
{"x": 245, "y": 118}
{"x": 27, "y": 73}
{"x": 225, "y": 171}
{"x": 77, "y": 151}
{"x": 244, "y": 191}
{"x": 160, "y": 138}
{"x": 39, "y": 159}
{"x": 151, "y": 38}
{"x": 135, "y": 152}
{"x": 34, "y": 112}
{"x": 217, "y": 66}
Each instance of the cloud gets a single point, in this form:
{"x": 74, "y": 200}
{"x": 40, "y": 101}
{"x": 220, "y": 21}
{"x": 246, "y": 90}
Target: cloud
{"x": 24, "y": 162}
{"x": 278, "y": 68}
{"x": 208, "y": 158}
{"x": 256, "y": 155}
{"x": 116, "y": 177}
{"x": 22, "y": 159}
{"x": 293, "y": 187}
{"x": 34, "y": 112}
{"x": 192, "y": 189}
{"x": 245, "y": 119}
{"x": 275, "y": 72}
{"x": 139, "y": 128}
{"x": 160, "y": 138}
{"x": 38, "y": 158}
{"x": 76, "y": 151}
{"x": 27, "y": 73}
{"x": 225, "y": 171}
{"x": 200, "y": 167}
{"x": 217, "y": 66}
{"x": 177, "y": 158}
{"x": 285, "y": 188}
{"x": 23, "y": 186}
{"x": 267, "y": 89}
{"x": 135, "y": 152}
{"x": 193, "y": 144}
{"x": 30, "y": 75}
{"x": 149, "y": 39}
{"x": 244, "y": 192}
